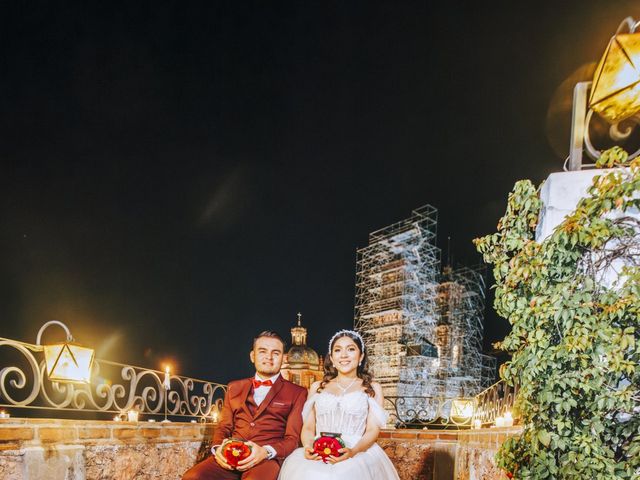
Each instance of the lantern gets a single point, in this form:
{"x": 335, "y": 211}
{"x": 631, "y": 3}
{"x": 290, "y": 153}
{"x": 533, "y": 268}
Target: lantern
{"x": 67, "y": 361}
{"x": 461, "y": 411}
{"x": 615, "y": 92}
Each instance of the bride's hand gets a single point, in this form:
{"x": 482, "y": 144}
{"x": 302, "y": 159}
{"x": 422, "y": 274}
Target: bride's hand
{"x": 345, "y": 453}
{"x": 309, "y": 454}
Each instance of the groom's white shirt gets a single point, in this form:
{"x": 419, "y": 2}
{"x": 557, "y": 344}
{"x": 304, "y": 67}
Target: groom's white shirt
{"x": 259, "y": 395}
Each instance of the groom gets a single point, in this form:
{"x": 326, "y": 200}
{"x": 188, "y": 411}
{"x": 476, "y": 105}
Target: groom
{"x": 265, "y": 411}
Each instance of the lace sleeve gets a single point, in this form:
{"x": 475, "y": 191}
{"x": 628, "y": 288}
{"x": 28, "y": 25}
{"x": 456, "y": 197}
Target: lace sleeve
{"x": 308, "y": 406}
{"x": 380, "y": 415}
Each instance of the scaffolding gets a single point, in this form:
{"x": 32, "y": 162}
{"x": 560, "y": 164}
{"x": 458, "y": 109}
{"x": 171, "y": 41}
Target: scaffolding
{"x": 462, "y": 370}
{"x": 423, "y": 329}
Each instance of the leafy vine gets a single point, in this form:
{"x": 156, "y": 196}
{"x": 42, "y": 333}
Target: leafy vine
{"x": 573, "y": 302}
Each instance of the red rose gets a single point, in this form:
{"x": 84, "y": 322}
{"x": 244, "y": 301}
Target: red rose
{"x": 328, "y": 444}
{"x": 235, "y": 450}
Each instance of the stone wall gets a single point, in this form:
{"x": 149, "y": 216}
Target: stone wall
{"x": 476, "y": 451}
{"x": 421, "y": 454}
{"x": 35, "y": 449}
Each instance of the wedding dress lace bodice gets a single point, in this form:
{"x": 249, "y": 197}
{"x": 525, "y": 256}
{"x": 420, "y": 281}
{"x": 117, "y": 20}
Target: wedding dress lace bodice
{"x": 345, "y": 414}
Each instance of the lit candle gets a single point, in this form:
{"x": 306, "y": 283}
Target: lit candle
{"x": 4, "y": 414}
{"x": 477, "y": 423}
{"x": 499, "y": 422}
{"x": 508, "y": 420}
{"x": 214, "y": 416}
{"x": 132, "y": 415}
{"x": 117, "y": 418}
{"x": 167, "y": 379}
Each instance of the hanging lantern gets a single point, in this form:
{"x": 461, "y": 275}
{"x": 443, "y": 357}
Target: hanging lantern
{"x": 461, "y": 411}
{"x": 67, "y": 361}
{"x": 615, "y": 93}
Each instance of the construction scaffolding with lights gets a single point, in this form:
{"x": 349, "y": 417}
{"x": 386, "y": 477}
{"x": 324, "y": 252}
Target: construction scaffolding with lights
{"x": 422, "y": 326}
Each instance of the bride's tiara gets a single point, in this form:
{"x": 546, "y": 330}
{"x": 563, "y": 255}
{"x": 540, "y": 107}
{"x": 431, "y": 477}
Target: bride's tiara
{"x": 342, "y": 333}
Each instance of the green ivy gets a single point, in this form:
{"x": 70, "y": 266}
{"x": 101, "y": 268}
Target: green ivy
{"x": 574, "y": 344}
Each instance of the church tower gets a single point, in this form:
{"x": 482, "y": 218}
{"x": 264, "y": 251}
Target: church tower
{"x": 302, "y": 365}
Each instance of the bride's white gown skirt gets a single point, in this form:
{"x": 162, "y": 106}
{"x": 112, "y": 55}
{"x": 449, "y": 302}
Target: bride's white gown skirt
{"x": 346, "y": 414}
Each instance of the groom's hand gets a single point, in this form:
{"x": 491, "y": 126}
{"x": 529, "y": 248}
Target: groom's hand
{"x": 258, "y": 454}
{"x": 221, "y": 460}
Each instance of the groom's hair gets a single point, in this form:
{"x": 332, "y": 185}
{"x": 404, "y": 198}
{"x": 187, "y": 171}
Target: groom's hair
{"x": 270, "y": 334}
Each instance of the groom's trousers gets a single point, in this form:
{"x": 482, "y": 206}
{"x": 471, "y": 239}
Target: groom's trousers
{"x": 210, "y": 470}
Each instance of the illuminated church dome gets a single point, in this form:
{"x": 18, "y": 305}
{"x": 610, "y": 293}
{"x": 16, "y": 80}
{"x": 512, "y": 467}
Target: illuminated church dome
{"x": 302, "y": 365}
{"x": 299, "y": 351}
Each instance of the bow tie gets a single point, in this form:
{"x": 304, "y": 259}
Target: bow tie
{"x": 258, "y": 383}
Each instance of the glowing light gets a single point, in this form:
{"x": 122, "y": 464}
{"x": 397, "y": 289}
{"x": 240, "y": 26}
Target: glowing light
{"x": 68, "y": 362}
{"x": 461, "y": 410}
{"x": 508, "y": 419}
{"x": 132, "y": 415}
{"x": 616, "y": 84}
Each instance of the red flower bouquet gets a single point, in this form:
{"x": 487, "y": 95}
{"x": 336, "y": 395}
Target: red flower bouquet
{"x": 234, "y": 450}
{"x": 328, "y": 444}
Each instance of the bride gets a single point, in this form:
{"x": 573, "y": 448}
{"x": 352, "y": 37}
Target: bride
{"x": 346, "y": 401}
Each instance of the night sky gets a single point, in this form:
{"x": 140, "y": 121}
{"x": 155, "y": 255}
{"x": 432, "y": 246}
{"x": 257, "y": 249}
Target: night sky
{"x": 176, "y": 177}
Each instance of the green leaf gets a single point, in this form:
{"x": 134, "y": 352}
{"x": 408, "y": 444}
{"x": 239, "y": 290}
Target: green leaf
{"x": 544, "y": 437}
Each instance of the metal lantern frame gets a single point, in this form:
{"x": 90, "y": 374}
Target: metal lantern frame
{"x": 598, "y": 95}
{"x": 66, "y": 361}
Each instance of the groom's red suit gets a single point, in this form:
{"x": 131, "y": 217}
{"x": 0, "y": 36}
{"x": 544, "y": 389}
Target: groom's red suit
{"x": 276, "y": 422}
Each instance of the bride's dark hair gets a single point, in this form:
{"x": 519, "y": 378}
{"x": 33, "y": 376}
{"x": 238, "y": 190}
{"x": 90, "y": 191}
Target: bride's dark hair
{"x": 330, "y": 372}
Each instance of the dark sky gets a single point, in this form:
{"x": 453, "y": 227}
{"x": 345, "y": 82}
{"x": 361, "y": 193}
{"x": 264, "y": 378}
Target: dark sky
{"x": 176, "y": 177}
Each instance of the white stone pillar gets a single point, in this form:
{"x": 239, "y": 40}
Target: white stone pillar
{"x": 560, "y": 195}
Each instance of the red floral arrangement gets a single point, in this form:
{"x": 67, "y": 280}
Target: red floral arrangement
{"x": 328, "y": 444}
{"x": 234, "y": 450}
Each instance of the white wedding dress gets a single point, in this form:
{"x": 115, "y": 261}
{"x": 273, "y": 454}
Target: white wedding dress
{"x": 346, "y": 414}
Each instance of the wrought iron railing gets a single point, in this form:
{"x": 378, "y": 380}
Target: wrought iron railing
{"x": 482, "y": 410}
{"x": 419, "y": 412}
{"x": 494, "y": 402}
{"x": 115, "y": 388}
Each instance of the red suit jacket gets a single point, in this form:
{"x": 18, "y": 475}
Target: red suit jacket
{"x": 276, "y": 422}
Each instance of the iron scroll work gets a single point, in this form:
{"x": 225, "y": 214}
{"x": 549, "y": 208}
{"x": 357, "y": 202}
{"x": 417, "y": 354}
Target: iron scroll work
{"x": 424, "y": 412}
{"x": 115, "y": 389}
{"x": 437, "y": 412}
{"x": 495, "y": 402}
